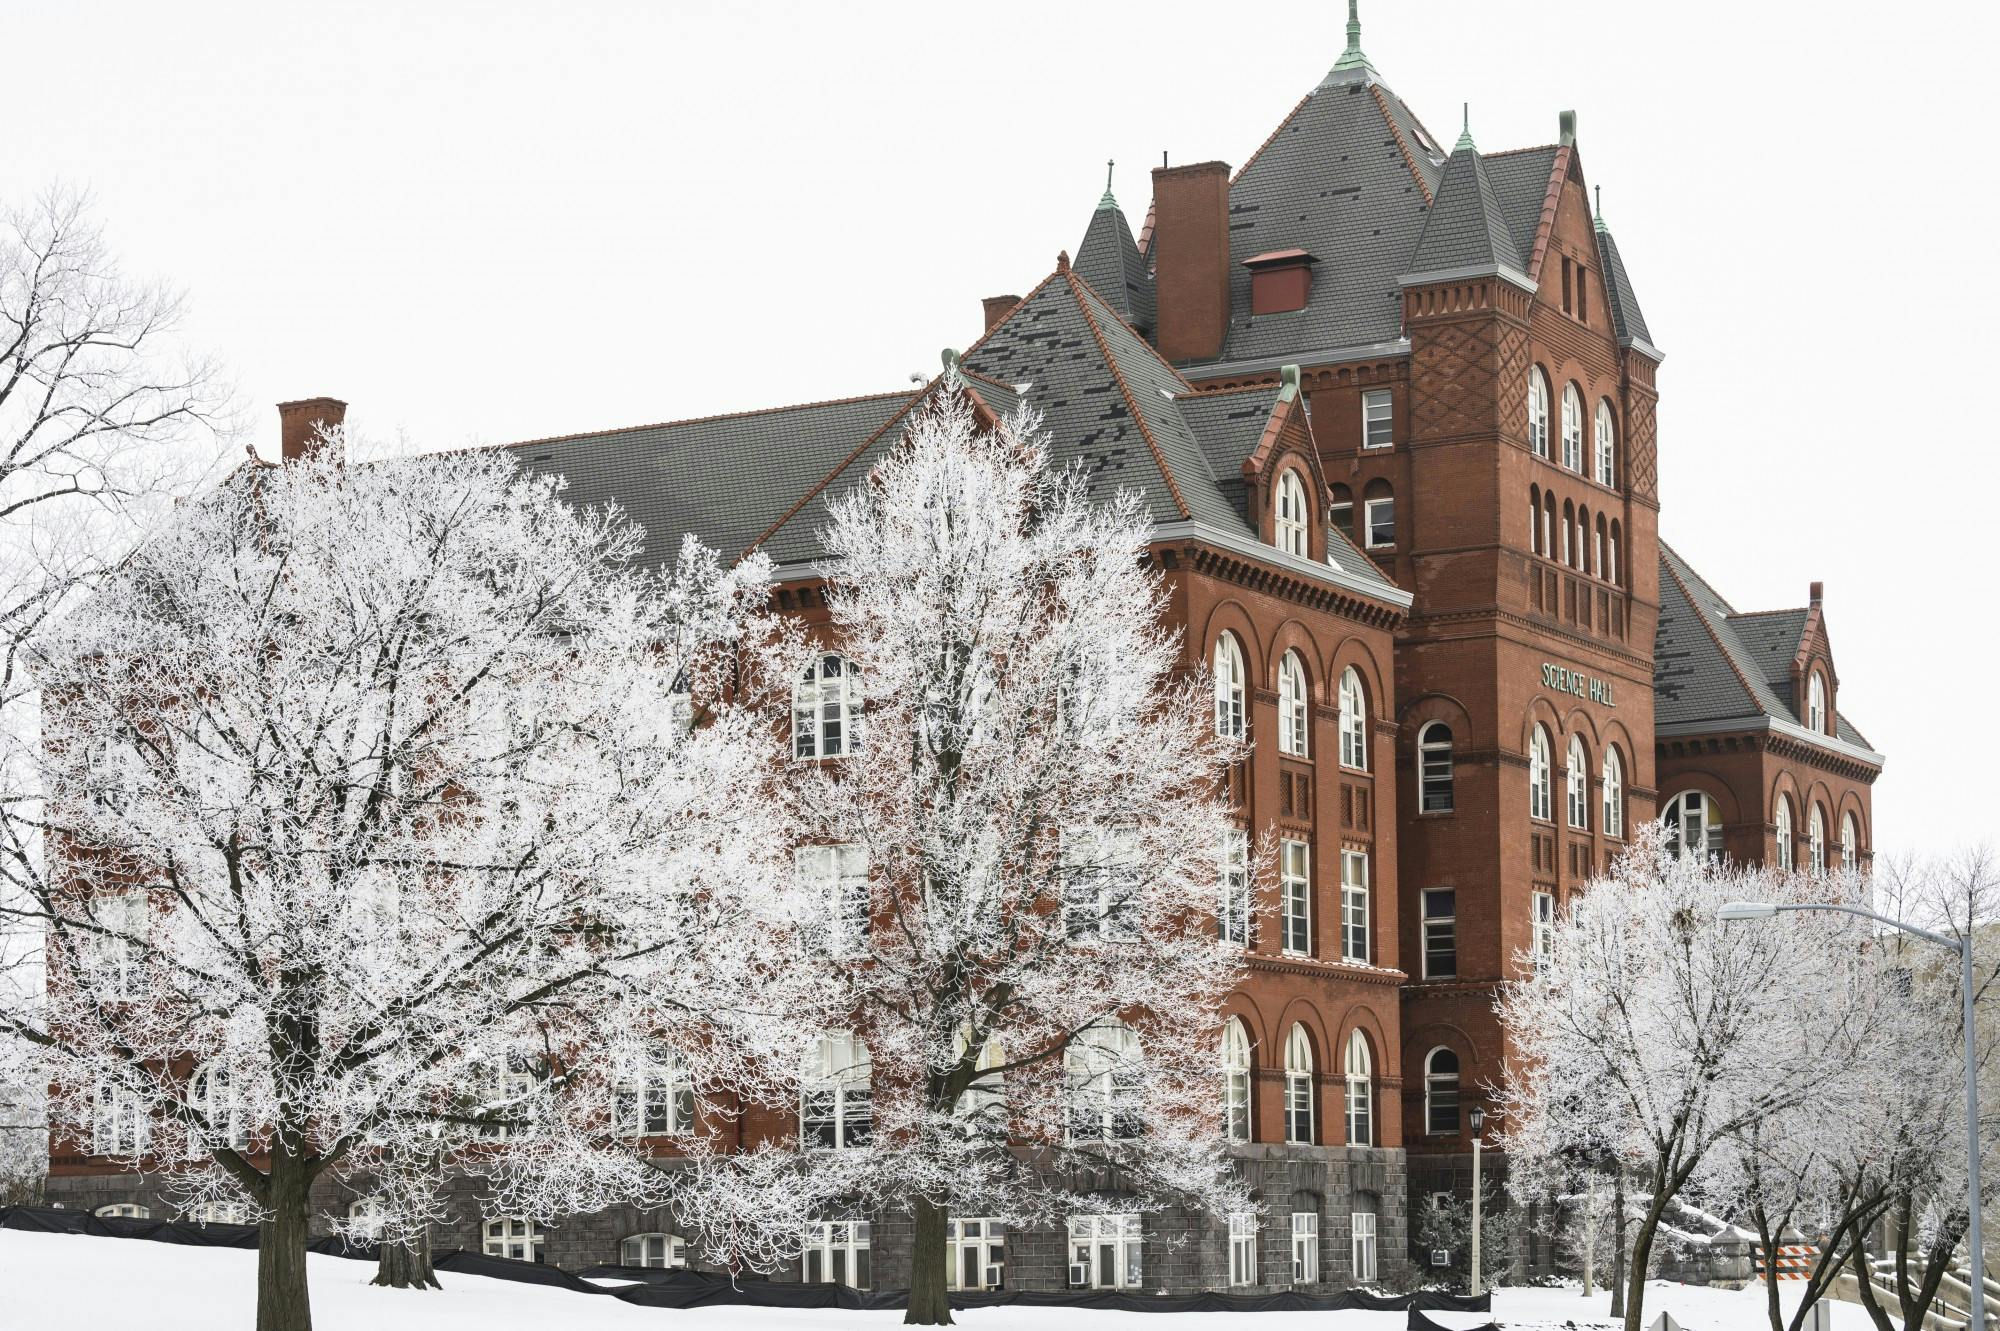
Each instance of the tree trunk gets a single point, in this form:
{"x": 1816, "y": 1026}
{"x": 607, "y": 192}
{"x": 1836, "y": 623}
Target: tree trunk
{"x": 1863, "y": 1278}
{"x": 930, "y": 1302}
{"x": 283, "y": 1303}
{"x": 1769, "y": 1240}
{"x": 406, "y": 1266}
{"x": 1642, "y": 1256}
{"x": 1618, "y": 1242}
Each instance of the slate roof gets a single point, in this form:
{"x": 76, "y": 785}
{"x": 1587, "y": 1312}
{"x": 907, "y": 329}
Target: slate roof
{"x": 1520, "y": 181}
{"x": 1625, "y": 313}
{"x": 1466, "y": 229}
{"x": 1716, "y": 668}
{"x": 727, "y": 479}
{"x": 1111, "y": 264}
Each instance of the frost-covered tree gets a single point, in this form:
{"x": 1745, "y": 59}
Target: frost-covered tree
{"x": 1015, "y": 844}
{"x": 1660, "y": 1031}
{"x": 372, "y": 793}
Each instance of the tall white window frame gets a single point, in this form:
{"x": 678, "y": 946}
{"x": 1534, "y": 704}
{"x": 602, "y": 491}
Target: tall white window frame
{"x": 1816, "y": 840}
{"x": 1358, "y": 1068}
{"x": 836, "y": 881}
{"x": 1576, "y": 785}
{"x": 839, "y": 1252}
{"x": 1301, "y": 1114}
{"x": 1107, "y": 1251}
{"x": 1354, "y": 921}
{"x": 1614, "y": 793}
{"x": 1607, "y": 444}
{"x": 1104, "y": 1074}
{"x": 1538, "y": 412}
{"x": 1353, "y": 721}
{"x": 215, "y": 1096}
{"x": 1440, "y": 924}
{"x": 836, "y": 1097}
{"x": 657, "y": 1250}
{"x": 1435, "y": 774}
{"x": 124, "y": 1211}
{"x": 653, "y": 1099}
{"x": 1441, "y": 1071}
{"x": 983, "y": 1103}
{"x": 1378, "y": 418}
{"x": 1572, "y": 429}
{"x": 1242, "y": 1248}
{"x": 513, "y": 1237}
{"x": 1235, "y": 1081}
{"x": 1694, "y": 825}
{"x": 1378, "y": 516}
{"x": 1294, "y": 706}
{"x": 1540, "y": 760}
{"x": 120, "y": 1125}
{"x": 1100, "y": 883}
{"x": 115, "y": 955}
{"x": 1362, "y": 1223}
{"x": 1850, "y": 842}
{"x": 826, "y": 704}
{"x": 1295, "y": 897}
{"x": 1543, "y": 921}
{"x": 977, "y": 1253}
{"x": 1230, "y": 677}
{"x": 1233, "y": 910}
{"x": 1816, "y": 702}
{"x": 1305, "y": 1247}
{"x": 1289, "y": 523}
{"x": 1784, "y": 835}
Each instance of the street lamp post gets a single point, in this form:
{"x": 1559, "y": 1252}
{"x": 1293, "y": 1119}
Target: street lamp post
{"x": 1975, "y": 1243}
{"x": 1478, "y": 1119}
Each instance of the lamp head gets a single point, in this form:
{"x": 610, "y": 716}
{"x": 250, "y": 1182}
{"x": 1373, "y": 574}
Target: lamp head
{"x": 1747, "y": 910}
{"x": 1478, "y": 1120}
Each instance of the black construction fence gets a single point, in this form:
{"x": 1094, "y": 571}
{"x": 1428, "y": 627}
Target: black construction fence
{"x": 653, "y": 1287}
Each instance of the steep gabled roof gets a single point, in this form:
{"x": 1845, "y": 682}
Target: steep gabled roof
{"x": 1521, "y": 179}
{"x": 1466, "y": 231}
{"x": 1714, "y": 669}
{"x": 1626, "y": 316}
{"x": 1111, "y": 264}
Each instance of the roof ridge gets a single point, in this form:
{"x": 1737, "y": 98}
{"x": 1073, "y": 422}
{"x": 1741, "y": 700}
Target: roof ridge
{"x": 826, "y": 480}
{"x": 1201, "y": 394}
{"x": 1781, "y": 610}
{"x": 1007, "y": 318}
{"x": 1674, "y": 566}
{"x": 1545, "y": 225}
{"x": 1077, "y": 287}
{"x": 968, "y": 372}
{"x": 1515, "y": 152}
{"x": 1382, "y": 105}
{"x": 703, "y": 420}
{"x": 1126, "y": 324}
{"x": 1271, "y": 138}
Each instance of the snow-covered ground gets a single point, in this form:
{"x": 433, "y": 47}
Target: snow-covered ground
{"x": 52, "y": 1280}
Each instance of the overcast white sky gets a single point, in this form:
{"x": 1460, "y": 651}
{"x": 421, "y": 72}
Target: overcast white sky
{"x": 492, "y": 221}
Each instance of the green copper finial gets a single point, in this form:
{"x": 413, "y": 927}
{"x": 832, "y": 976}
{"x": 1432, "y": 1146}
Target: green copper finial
{"x": 1465, "y": 134}
{"x": 1352, "y": 58}
{"x": 1600, "y": 209}
{"x": 1107, "y": 201}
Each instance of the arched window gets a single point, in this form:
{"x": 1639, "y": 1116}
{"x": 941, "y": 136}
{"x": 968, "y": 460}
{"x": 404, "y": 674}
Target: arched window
{"x": 1441, "y": 1093}
{"x": 1694, "y": 826}
{"x": 1549, "y": 523}
{"x": 1360, "y": 1092}
{"x": 837, "y": 1105}
{"x": 1816, "y": 702}
{"x": 223, "y": 1213}
{"x": 1378, "y": 515}
{"x": 1583, "y": 538}
{"x": 1576, "y": 785}
{"x": 824, "y": 707}
{"x": 125, "y": 1211}
{"x": 1782, "y": 817}
{"x": 1290, "y": 524}
{"x": 1229, "y": 676}
{"x": 1105, "y": 1076}
{"x": 1235, "y": 1081}
{"x": 1299, "y": 1087}
{"x": 1540, "y": 759}
{"x": 1292, "y": 705}
{"x": 661, "y": 1250}
{"x": 1434, "y": 773}
{"x": 1538, "y": 412}
{"x": 1603, "y": 569}
{"x": 216, "y": 1100}
{"x": 1353, "y": 721}
{"x": 1340, "y": 511}
{"x": 1816, "y": 840}
{"x": 1607, "y": 471}
{"x": 653, "y": 1099}
{"x": 1614, "y": 572}
{"x": 1567, "y": 544}
{"x": 1535, "y": 519}
{"x": 1850, "y": 843}
{"x": 1572, "y": 428}
{"x": 1614, "y": 794}
{"x": 510, "y": 1236}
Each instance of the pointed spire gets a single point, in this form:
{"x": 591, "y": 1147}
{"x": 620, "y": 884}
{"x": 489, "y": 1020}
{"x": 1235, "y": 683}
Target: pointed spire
{"x": 1352, "y": 58}
{"x": 1107, "y": 201}
{"x": 1600, "y": 209}
{"x": 1465, "y": 134}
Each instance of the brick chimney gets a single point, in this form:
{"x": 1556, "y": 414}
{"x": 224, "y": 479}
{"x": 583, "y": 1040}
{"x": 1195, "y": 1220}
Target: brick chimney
{"x": 299, "y": 425}
{"x": 1190, "y": 254}
{"x": 1817, "y": 591}
{"x": 996, "y": 308}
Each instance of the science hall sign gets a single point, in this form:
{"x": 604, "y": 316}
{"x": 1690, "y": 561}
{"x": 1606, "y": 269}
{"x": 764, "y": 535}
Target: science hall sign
{"x": 1564, "y": 680}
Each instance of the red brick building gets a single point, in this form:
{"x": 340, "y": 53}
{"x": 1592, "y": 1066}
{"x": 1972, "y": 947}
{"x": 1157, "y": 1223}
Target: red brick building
{"x": 1393, "y": 406}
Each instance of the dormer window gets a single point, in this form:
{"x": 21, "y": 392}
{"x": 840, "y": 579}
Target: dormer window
{"x": 1289, "y": 531}
{"x": 1816, "y": 702}
{"x": 1280, "y": 281}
